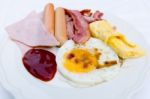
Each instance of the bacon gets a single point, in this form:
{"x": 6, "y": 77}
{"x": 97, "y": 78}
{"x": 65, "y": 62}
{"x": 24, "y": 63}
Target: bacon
{"x": 86, "y": 12}
{"x": 77, "y": 23}
{"x": 81, "y": 31}
{"x": 89, "y": 17}
{"x": 97, "y": 15}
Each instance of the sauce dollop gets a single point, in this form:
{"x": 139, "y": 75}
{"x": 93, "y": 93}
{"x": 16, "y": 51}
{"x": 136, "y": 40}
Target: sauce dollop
{"x": 40, "y": 63}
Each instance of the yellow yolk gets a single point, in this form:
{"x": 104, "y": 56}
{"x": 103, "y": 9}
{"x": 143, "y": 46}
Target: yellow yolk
{"x": 80, "y": 61}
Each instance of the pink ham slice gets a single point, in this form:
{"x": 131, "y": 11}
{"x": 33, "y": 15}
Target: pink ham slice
{"x": 81, "y": 31}
{"x": 31, "y": 31}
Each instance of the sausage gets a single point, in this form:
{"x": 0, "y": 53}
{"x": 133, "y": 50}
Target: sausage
{"x": 49, "y": 18}
{"x": 60, "y": 25}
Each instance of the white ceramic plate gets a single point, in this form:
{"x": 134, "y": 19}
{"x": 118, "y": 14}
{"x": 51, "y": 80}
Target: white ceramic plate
{"x": 22, "y": 85}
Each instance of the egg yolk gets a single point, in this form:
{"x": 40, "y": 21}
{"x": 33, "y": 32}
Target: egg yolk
{"x": 80, "y": 61}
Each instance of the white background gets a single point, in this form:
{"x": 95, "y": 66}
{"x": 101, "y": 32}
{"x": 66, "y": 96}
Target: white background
{"x": 135, "y": 12}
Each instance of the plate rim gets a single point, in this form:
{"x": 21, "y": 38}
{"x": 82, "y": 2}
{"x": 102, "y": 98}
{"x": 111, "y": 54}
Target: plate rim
{"x": 139, "y": 85}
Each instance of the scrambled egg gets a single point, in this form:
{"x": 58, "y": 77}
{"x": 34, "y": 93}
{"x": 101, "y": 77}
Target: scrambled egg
{"x": 117, "y": 41}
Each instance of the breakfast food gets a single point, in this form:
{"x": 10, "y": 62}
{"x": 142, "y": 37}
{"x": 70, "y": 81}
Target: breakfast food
{"x": 60, "y": 25}
{"x": 40, "y": 63}
{"x": 104, "y": 31}
{"x": 78, "y": 28}
{"x": 49, "y": 18}
{"x": 88, "y": 49}
{"x": 31, "y": 32}
{"x": 91, "y": 17}
{"x": 87, "y": 64}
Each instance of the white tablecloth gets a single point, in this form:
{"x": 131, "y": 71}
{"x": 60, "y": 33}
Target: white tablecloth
{"x": 135, "y": 12}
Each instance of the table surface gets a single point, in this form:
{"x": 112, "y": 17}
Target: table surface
{"x": 135, "y": 12}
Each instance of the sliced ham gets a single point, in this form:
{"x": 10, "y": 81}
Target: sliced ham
{"x": 31, "y": 31}
{"x": 81, "y": 32}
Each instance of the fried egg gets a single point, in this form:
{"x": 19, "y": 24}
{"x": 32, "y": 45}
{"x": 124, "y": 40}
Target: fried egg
{"x": 87, "y": 64}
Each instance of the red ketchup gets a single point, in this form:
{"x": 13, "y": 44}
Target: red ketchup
{"x": 40, "y": 63}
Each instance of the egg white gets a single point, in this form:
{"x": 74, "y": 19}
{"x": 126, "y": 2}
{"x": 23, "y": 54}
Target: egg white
{"x": 93, "y": 77}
